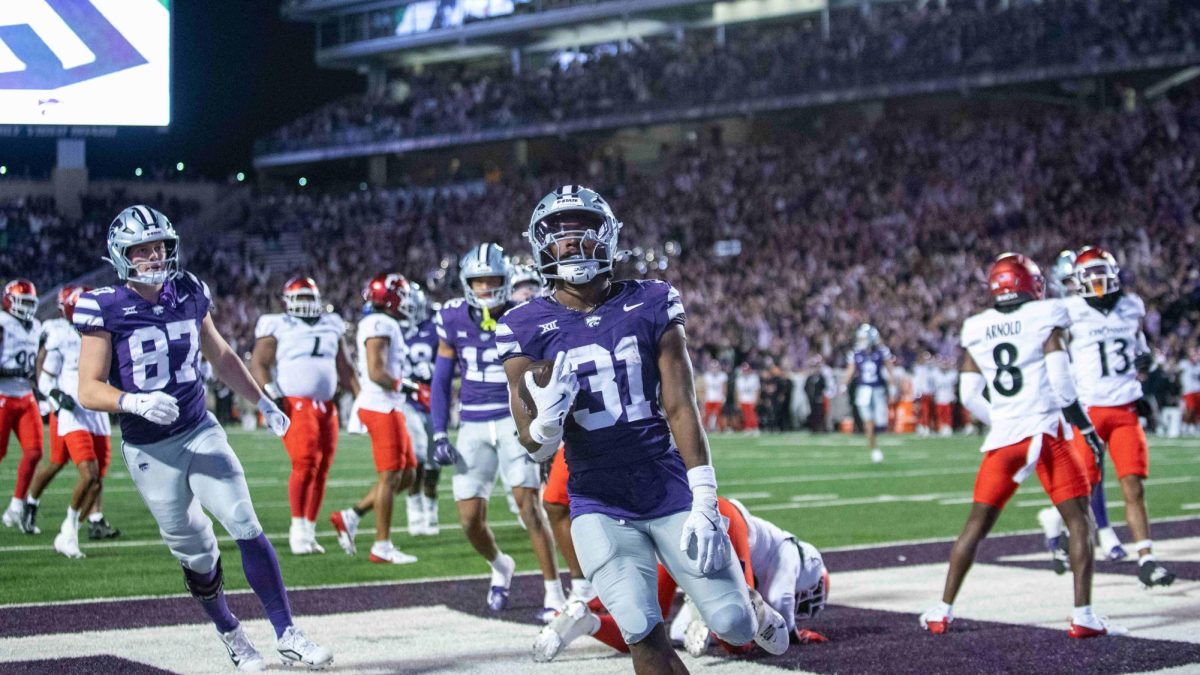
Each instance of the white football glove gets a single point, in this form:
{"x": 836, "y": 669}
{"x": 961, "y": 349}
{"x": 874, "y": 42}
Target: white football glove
{"x": 421, "y": 370}
{"x": 704, "y": 539}
{"x": 276, "y": 419}
{"x": 552, "y": 401}
{"x": 158, "y": 407}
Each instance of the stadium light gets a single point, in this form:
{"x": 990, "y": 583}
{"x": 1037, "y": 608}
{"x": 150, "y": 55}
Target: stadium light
{"x": 138, "y": 172}
{"x": 241, "y": 176}
{"x": 179, "y": 166}
{"x": 303, "y": 181}
{"x": 3, "y": 169}
{"x": 362, "y": 187}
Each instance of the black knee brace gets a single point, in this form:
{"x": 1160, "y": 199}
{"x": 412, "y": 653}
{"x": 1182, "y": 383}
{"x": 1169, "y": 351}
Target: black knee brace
{"x": 204, "y": 591}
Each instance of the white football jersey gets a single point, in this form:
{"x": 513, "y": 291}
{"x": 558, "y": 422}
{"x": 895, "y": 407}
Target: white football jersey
{"x": 714, "y": 386}
{"x": 1103, "y": 348}
{"x": 371, "y": 396}
{"x": 924, "y": 380}
{"x": 1189, "y": 377}
{"x": 747, "y": 386}
{"x": 305, "y": 354}
{"x": 18, "y": 351}
{"x": 62, "y": 343}
{"x": 765, "y": 538}
{"x": 945, "y": 386}
{"x": 1007, "y": 347}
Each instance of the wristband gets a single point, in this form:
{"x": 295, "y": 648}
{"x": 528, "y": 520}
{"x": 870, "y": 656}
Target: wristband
{"x": 702, "y": 476}
{"x": 121, "y": 401}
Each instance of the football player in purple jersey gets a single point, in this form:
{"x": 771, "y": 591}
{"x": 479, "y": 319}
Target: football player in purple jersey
{"x": 140, "y": 358}
{"x": 868, "y": 374}
{"x": 420, "y": 334}
{"x": 487, "y": 443}
{"x": 642, "y": 486}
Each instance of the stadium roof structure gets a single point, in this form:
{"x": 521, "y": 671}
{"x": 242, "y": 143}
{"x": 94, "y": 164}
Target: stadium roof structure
{"x": 358, "y": 34}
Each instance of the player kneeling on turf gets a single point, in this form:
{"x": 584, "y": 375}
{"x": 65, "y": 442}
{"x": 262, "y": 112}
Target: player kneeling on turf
{"x": 140, "y": 357}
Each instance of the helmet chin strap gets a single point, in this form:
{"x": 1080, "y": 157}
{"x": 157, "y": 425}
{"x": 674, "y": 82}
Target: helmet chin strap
{"x": 578, "y": 272}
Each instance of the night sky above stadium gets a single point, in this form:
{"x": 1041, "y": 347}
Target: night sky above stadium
{"x": 238, "y": 71}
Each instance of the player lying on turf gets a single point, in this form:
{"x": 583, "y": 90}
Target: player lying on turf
{"x": 1017, "y": 350}
{"x": 140, "y": 357}
{"x": 621, "y": 397}
{"x": 789, "y": 573}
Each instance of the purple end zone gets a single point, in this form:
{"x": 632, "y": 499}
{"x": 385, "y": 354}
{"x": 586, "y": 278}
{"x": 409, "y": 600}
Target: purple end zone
{"x": 861, "y": 640}
{"x": 81, "y": 666}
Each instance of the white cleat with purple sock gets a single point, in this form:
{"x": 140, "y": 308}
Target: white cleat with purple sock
{"x": 295, "y": 649}
{"x": 245, "y": 657}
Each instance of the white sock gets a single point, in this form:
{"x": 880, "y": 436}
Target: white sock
{"x": 96, "y": 517}
{"x": 31, "y": 501}
{"x": 582, "y": 589}
{"x": 1083, "y": 616}
{"x": 416, "y": 505}
{"x": 310, "y": 526}
{"x": 554, "y": 597}
{"x": 431, "y": 508}
{"x": 72, "y": 519}
{"x": 298, "y": 524}
{"x": 502, "y": 569}
{"x": 16, "y": 504}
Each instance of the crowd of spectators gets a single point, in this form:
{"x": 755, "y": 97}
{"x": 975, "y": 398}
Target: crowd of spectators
{"x": 894, "y": 225}
{"x": 891, "y": 43}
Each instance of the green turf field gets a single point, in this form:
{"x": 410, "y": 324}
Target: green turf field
{"x": 822, "y": 488}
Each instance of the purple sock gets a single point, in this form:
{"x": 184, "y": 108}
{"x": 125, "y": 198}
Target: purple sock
{"x": 262, "y": 572}
{"x": 215, "y": 607}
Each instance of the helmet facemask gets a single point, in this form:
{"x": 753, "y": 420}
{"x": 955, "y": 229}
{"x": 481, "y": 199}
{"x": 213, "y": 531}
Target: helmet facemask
{"x": 810, "y": 601}
{"x": 23, "y": 307}
{"x": 575, "y": 246}
{"x": 303, "y": 303}
{"x": 1096, "y": 279}
{"x": 489, "y": 298}
{"x": 135, "y": 226}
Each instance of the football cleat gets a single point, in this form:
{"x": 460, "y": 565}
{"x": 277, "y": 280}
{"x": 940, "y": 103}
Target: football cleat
{"x": 1117, "y": 553}
{"x": 1060, "y": 556}
{"x": 877, "y": 456}
{"x": 68, "y": 545}
{"x": 935, "y": 621}
{"x": 100, "y": 529}
{"x": 11, "y": 517}
{"x": 1150, "y": 573}
{"x": 242, "y": 652}
{"x": 311, "y": 529}
{"x": 298, "y": 540}
{"x": 772, "y": 629}
{"x": 346, "y": 524}
{"x": 697, "y": 636}
{"x": 295, "y": 649}
{"x": 497, "y": 598}
{"x": 386, "y": 552}
{"x": 29, "y": 519}
{"x": 1084, "y": 631}
{"x": 574, "y": 621}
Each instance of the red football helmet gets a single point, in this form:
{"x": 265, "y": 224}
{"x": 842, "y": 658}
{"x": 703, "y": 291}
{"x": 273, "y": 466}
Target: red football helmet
{"x": 21, "y": 299}
{"x": 302, "y": 298}
{"x": 389, "y": 291}
{"x": 67, "y": 296}
{"x": 1014, "y": 277}
{"x": 1097, "y": 272}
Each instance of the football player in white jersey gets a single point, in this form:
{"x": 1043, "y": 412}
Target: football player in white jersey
{"x": 715, "y": 385}
{"x": 945, "y": 381}
{"x": 1017, "y": 350}
{"x": 1189, "y": 383}
{"x": 76, "y": 433}
{"x": 19, "y": 332}
{"x": 306, "y": 349}
{"x": 381, "y": 356}
{"x": 1108, "y": 355}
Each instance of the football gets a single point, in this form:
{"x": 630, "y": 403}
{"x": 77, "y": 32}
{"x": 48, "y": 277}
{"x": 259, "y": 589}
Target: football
{"x": 541, "y": 375}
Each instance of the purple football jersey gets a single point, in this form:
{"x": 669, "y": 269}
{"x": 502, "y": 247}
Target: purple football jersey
{"x": 870, "y": 366}
{"x": 484, "y": 391}
{"x": 618, "y": 445}
{"x": 155, "y": 347}
{"x": 422, "y": 348}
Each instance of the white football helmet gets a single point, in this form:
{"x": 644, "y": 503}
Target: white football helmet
{"x": 573, "y": 213}
{"x": 485, "y": 260}
{"x": 141, "y": 225}
{"x": 812, "y": 583}
{"x": 866, "y": 336}
{"x": 1062, "y": 274}
{"x": 527, "y": 283}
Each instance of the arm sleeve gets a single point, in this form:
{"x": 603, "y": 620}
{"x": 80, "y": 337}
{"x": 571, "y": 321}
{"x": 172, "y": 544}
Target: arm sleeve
{"x": 1058, "y": 369}
{"x": 439, "y": 405}
{"x": 970, "y": 391}
{"x": 672, "y": 311}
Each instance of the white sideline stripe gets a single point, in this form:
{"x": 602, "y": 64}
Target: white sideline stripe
{"x": 469, "y": 577}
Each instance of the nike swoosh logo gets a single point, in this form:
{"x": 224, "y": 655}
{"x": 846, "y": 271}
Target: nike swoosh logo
{"x": 560, "y": 400}
{"x": 185, "y": 296}
{"x": 630, "y": 308}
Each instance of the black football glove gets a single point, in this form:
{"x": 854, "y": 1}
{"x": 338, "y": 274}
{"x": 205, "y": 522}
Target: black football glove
{"x": 1143, "y": 362}
{"x": 62, "y": 399}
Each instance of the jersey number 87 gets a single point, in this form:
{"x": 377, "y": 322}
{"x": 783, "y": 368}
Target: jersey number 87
{"x": 152, "y": 366}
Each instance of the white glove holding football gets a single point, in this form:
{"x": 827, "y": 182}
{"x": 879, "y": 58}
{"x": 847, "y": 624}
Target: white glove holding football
{"x": 158, "y": 407}
{"x": 552, "y": 401}
{"x": 704, "y": 536}
{"x": 276, "y": 419}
